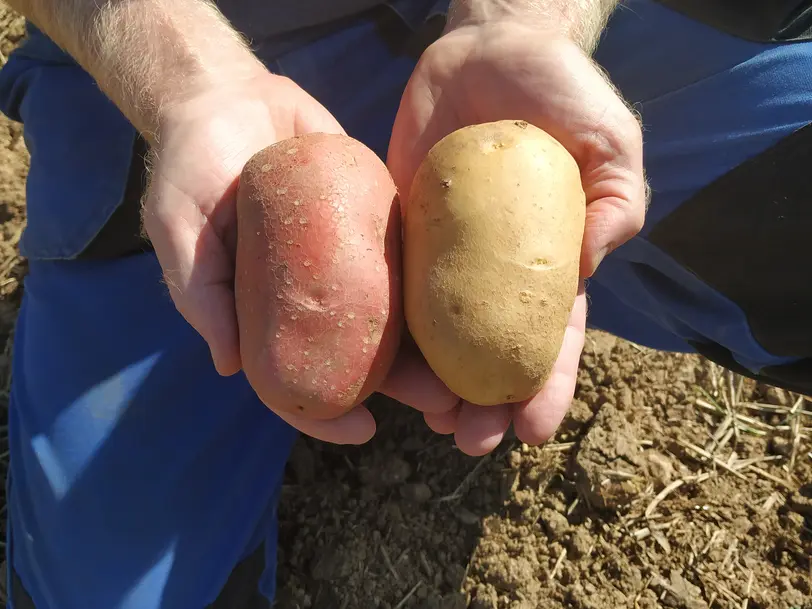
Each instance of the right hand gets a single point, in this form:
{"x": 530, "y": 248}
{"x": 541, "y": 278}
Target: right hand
{"x": 512, "y": 68}
{"x": 190, "y": 217}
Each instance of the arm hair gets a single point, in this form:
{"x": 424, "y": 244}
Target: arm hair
{"x": 145, "y": 55}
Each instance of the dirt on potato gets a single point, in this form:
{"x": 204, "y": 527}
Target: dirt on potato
{"x": 671, "y": 483}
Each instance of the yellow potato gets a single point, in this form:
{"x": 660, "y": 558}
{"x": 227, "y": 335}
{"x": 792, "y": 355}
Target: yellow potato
{"x": 492, "y": 241}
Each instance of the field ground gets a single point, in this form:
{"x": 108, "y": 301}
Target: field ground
{"x": 671, "y": 484}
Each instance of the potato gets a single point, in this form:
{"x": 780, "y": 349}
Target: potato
{"x": 492, "y": 241}
{"x": 318, "y": 274}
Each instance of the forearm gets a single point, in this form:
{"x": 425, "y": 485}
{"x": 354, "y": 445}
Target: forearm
{"x": 146, "y": 55}
{"x": 580, "y": 20}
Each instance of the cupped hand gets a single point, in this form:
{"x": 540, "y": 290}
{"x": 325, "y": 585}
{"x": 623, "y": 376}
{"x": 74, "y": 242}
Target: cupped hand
{"x": 509, "y": 70}
{"x": 190, "y": 216}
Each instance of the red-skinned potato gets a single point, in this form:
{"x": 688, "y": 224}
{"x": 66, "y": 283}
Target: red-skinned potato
{"x": 318, "y": 274}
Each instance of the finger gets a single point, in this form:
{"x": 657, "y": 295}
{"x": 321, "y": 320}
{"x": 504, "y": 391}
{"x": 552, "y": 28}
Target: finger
{"x": 355, "y": 427}
{"x": 609, "y": 223}
{"x": 535, "y": 421}
{"x": 616, "y": 194}
{"x": 444, "y": 423}
{"x": 412, "y": 382}
{"x": 198, "y": 274}
{"x": 218, "y": 326}
{"x": 480, "y": 429}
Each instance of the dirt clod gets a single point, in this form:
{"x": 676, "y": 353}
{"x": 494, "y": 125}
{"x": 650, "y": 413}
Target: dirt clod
{"x": 608, "y": 461}
{"x": 555, "y": 523}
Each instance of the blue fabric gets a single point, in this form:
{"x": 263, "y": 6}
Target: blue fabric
{"x": 708, "y": 102}
{"x": 139, "y": 477}
{"x": 75, "y": 136}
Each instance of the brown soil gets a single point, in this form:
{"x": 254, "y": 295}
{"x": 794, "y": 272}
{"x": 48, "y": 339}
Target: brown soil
{"x": 625, "y": 508}
{"x": 671, "y": 483}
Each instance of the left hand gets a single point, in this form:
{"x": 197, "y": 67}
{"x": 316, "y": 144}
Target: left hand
{"x": 511, "y": 70}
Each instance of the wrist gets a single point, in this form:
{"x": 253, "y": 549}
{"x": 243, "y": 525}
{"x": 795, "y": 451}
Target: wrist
{"x": 214, "y": 99}
{"x": 213, "y": 89}
{"x": 580, "y": 21}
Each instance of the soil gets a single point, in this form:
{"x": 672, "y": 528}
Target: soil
{"x": 672, "y": 483}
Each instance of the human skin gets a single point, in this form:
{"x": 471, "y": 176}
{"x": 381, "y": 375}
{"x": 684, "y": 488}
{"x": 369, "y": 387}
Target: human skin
{"x": 205, "y": 104}
{"x": 529, "y": 60}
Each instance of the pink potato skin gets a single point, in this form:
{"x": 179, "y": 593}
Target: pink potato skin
{"x": 318, "y": 274}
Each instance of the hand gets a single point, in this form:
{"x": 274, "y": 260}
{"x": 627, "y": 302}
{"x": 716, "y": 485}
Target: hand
{"x": 190, "y": 217}
{"x": 511, "y": 70}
